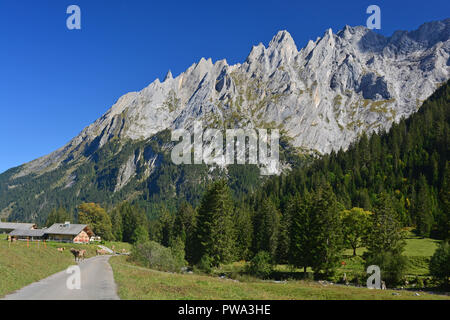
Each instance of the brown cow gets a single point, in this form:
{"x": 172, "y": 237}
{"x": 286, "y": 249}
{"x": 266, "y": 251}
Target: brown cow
{"x": 75, "y": 252}
{"x": 61, "y": 249}
{"x": 82, "y": 254}
{"x": 101, "y": 251}
{"x": 78, "y": 254}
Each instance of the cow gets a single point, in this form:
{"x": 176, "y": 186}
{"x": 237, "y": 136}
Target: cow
{"x": 75, "y": 252}
{"x": 82, "y": 254}
{"x": 101, "y": 251}
{"x": 78, "y": 254}
{"x": 61, "y": 249}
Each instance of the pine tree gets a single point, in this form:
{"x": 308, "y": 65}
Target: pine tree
{"x": 244, "y": 231}
{"x": 167, "y": 221}
{"x": 385, "y": 233}
{"x": 301, "y": 242}
{"x": 284, "y": 239}
{"x": 215, "y": 234}
{"x": 385, "y": 241}
{"x": 132, "y": 218}
{"x": 444, "y": 224}
{"x": 424, "y": 218}
{"x": 184, "y": 228}
{"x": 267, "y": 228}
{"x": 326, "y": 230}
{"x": 116, "y": 221}
{"x": 59, "y": 215}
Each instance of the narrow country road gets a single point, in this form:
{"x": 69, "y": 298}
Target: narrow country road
{"x": 97, "y": 283}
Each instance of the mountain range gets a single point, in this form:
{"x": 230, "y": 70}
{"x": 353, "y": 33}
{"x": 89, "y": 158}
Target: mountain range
{"x": 322, "y": 97}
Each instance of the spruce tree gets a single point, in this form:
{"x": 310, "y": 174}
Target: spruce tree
{"x": 444, "y": 224}
{"x": 385, "y": 241}
{"x": 116, "y": 221}
{"x": 184, "y": 228}
{"x": 424, "y": 218}
{"x": 301, "y": 243}
{"x": 215, "y": 234}
{"x": 244, "y": 231}
{"x": 267, "y": 228}
{"x": 326, "y": 231}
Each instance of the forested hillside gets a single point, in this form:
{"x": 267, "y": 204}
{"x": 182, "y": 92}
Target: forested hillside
{"x": 363, "y": 197}
{"x": 410, "y": 163}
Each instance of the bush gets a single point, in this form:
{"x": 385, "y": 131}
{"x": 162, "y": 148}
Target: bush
{"x": 440, "y": 264}
{"x": 178, "y": 251}
{"x": 419, "y": 283}
{"x": 392, "y": 266}
{"x": 155, "y": 256}
{"x": 261, "y": 265}
{"x": 205, "y": 264}
{"x": 140, "y": 235}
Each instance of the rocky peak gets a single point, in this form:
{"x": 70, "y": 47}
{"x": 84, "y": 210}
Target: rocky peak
{"x": 323, "y": 97}
{"x": 168, "y": 76}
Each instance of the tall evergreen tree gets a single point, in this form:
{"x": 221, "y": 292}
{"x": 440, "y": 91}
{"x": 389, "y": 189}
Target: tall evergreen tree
{"x": 184, "y": 228}
{"x": 423, "y": 210}
{"x": 385, "y": 241}
{"x": 132, "y": 218}
{"x": 116, "y": 221}
{"x": 284, "y": 238}
{"x": 444, "y": 223}
{"x": 300, "y": 247}
{"x": 267, "y": 228}
{"x": 244, "y": 231}
{"x": 326, "y": 230}
{"x": 215, "y": 234}
{"x": 59, "y": 215}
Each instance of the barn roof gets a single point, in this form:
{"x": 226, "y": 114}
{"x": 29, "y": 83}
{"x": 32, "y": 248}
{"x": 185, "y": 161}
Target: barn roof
{"x": 14, "y": 225}
{"x": 69, "y": 229}
{"x": 27, "y": 233}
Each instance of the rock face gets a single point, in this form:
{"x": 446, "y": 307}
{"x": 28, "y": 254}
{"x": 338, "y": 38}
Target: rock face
{"x": 323, "y": 97}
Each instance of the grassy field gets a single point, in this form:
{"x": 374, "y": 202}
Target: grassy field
{"x": 21, "y": 265}
{"x": 417, "y": 250}
{"x": 118, "y": 246}
{"x": 140, "y": 283}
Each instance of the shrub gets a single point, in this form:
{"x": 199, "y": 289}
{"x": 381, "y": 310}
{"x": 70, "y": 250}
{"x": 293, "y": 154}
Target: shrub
{"x": 440, "y": 264}
{"x": 419, "y": 283}
{"x": 178, "y": 251}
{"x": 155, "y": 256}
{"x": 392, "y": 266}
{"x": 261, "y": 265}
{"x": 140, "y": 235}
{"x": 205, "y": 264}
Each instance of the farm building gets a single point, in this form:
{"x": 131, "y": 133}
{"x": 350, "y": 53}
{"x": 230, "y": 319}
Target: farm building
{"x": 7, "y": 227}
{"x": 27, "y": 234}
{"x": 69, "y": 232}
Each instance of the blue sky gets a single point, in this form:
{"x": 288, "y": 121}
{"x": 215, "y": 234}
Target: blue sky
{"x": 55, "y": 81}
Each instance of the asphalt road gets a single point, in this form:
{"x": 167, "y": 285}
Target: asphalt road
{"x": 96, "y": 283}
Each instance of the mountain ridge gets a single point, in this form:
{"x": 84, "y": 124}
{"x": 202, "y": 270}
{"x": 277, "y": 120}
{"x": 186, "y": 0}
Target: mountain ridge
{"x": 173, "y": 103}
{"x": 322, "y": 98}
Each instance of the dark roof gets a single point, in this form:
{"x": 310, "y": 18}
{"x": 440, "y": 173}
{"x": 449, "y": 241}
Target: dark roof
{"x": 27, "y": 233}
{"x": 69, "y": 229}
{"x": 14, "y": 226}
